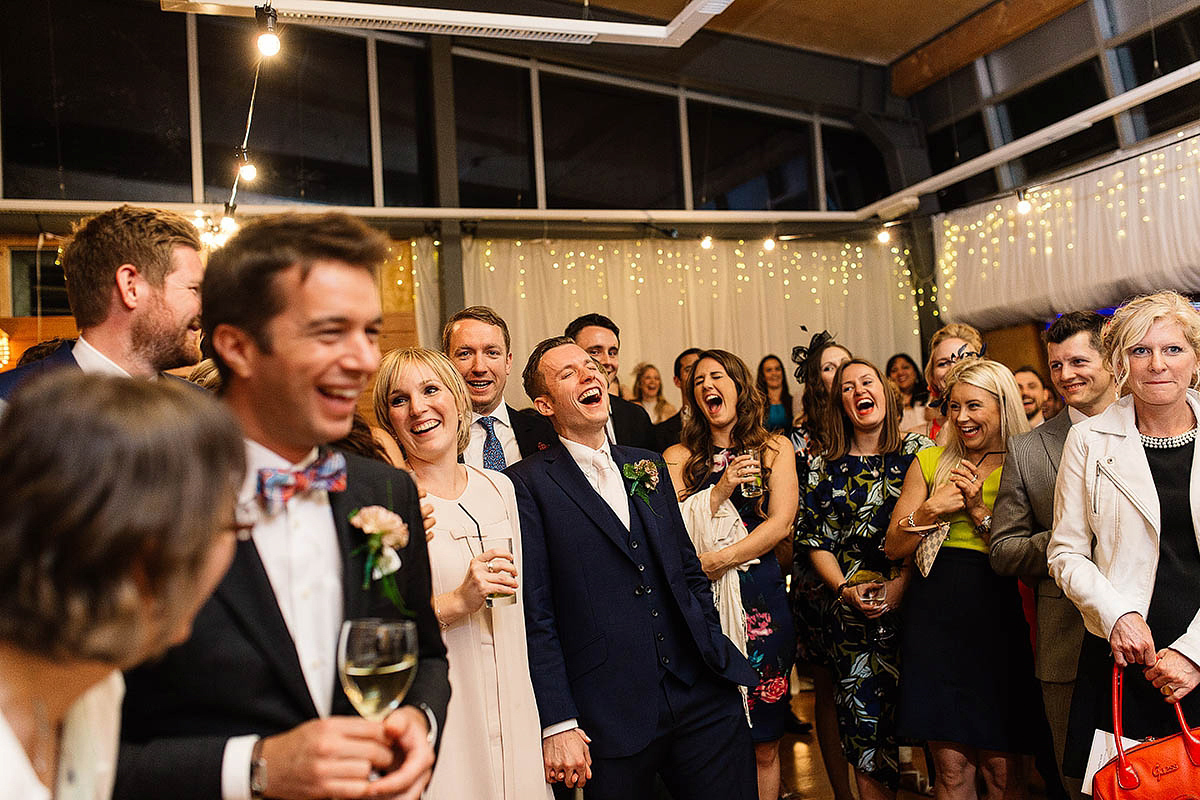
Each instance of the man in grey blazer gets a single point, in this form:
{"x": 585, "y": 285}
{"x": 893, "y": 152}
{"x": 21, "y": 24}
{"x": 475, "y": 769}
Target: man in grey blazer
{"x": 1024, "y": 512}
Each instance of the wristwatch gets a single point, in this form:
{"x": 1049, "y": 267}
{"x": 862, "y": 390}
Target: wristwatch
{"x": 258, "y": 772}
{"x": 985, "y": 525}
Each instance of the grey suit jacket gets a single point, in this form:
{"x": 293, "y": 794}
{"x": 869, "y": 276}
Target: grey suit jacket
{"x": 1021, "y": 525}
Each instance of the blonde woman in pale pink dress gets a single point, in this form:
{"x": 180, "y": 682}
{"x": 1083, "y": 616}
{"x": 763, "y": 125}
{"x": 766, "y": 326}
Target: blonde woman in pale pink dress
{"x": 492, "y": 746}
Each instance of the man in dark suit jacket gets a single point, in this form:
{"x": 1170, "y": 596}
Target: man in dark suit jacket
{"x": 250, "y": 705}
{"x": 629, "y": 424}
{"x": 476, "y": 340}
{"x": 1024, "y": 512}
{"x": 133, "y": 282}
{"x": 667, "y": 432}
{"x": 630, "y": 669}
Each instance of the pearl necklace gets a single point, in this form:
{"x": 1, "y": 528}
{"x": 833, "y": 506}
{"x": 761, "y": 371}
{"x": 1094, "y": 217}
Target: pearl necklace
{"x": 1168, "y": 442}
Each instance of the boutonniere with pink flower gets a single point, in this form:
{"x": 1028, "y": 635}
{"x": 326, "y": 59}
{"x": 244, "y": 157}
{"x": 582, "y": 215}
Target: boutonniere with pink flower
{"x": 643, "y": 477}
{"x": 386, "y": 534}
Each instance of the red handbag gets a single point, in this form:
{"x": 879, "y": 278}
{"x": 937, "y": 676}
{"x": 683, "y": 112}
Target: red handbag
{"x": 1161, "y": 769}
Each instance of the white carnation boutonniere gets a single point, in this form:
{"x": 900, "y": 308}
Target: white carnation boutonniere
{"x": 386, "y": 534}
{"x": 643, "y": 477}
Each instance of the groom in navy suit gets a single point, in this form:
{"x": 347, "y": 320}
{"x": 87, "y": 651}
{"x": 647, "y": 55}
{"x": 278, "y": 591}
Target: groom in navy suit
{"x": 631, "y": 671}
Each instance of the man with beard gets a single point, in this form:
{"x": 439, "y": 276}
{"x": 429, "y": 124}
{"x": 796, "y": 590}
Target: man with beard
{"x": 1033, "y": 393}
{"x": 133, "y": 282}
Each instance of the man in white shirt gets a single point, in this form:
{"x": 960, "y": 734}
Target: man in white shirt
{"x": 1024, "y": 512}
{"x": 631, "y": 671}
{"x": 476, "y": 340}
{"x": 250, "y": 706}
{"x": 133, "y": 282}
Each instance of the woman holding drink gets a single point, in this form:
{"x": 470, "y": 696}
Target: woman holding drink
{"x": 728, "y": 466}
{"x": 492, "y": 747}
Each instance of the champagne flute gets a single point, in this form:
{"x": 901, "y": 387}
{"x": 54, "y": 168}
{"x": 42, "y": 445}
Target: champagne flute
{"x": 875, "y": 594}
{"x": 377, "y": 661}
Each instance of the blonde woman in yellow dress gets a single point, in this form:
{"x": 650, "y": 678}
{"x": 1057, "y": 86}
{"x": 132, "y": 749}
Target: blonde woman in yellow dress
{"x": 492, "y": 747}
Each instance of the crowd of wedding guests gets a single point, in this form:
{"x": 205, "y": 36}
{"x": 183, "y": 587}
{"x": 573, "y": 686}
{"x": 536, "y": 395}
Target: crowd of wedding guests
{"x": 611, "y": 595}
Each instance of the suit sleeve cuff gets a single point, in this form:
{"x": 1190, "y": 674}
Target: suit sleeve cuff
{"x": 558, "y": 727}
{"x": 235, "y": 768}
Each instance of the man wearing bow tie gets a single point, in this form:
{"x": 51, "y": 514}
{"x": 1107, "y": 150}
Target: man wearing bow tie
{"x": 251, "y": 705}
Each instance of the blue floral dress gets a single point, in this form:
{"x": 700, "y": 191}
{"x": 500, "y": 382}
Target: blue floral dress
{"x": 846, "y": 507}
{"x": 770, "y": 637}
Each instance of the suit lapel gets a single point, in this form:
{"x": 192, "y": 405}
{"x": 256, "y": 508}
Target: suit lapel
{"x": 1053, "y": 436}
{"x": 566, "y": 473}
{"x": 247, "y": 592}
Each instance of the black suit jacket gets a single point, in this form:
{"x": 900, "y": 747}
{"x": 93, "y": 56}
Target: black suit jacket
{"x": 532, "y": 431}
{"x": 239, "y": 672}
{"x": 667, "y": 432}
{"x": 11, "y": 379}
{"x": 631, "y": 423}
{"x": 592, "y": 655}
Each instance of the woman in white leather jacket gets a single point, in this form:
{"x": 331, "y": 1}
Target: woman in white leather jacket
{"x": 1124, "y": 547}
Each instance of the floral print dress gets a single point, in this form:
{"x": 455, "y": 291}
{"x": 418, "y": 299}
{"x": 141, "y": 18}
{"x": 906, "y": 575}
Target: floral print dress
{"x": 770, "y": 637}
{"x": 845, "y": 510}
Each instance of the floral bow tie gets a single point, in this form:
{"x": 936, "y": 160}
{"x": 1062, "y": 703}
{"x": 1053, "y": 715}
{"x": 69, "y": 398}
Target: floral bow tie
{"x": 275, "y": 486}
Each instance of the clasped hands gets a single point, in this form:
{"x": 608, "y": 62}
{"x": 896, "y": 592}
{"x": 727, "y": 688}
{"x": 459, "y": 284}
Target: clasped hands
{"x": 963, "y": 492}
{"x": 1171, "y": 672}
{"x": 567, "y": 758}
{"x": 337, "y": 757}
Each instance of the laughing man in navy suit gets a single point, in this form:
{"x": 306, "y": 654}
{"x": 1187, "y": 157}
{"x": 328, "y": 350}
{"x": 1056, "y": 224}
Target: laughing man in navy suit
{"x": 630, "y": 669}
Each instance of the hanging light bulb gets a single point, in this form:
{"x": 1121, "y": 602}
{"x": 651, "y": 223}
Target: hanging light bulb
{"x": 268, "y": 40}
{"x": 1023, "y": 205}
{"x": 883, "y": 236}
{"x": 769, "y": 243}
{"x": 246, "y": 169}
{"x": 706, "y": 242}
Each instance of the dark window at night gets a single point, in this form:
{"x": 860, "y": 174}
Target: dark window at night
{"x": 27, "y": 265}
{"x": 404, "y": 125}
{"x": 94, "y": 101}
{"x": 747, "y": 161}
{"x": 855, "y": 174}
{"x": 1178, "y": 45}
{"x": 1054, "y": 99}
{"x": 495, "y": 136}
{"x": 310, "y": 138}
{"x": 609, "y": 147}
{"x": 951, "y": 146}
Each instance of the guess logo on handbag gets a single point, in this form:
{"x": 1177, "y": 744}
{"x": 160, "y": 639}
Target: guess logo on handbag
{"x": 1159, "y": 770}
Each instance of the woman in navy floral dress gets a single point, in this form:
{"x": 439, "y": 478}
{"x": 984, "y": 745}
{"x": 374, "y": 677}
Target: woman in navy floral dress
{"x": 840, "y": 530}
{"x": 725, "y": 418}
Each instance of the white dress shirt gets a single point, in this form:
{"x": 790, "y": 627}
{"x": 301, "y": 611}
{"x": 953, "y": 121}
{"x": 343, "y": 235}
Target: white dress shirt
{"x": 607, "y": 482}
{"x": 92, "y": 360}
{"x": 473, "y": 455}
{"x": 299, "y": 549}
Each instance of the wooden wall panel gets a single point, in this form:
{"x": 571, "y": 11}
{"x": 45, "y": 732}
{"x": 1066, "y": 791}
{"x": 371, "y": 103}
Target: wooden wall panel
{"x": 24, "y": 332}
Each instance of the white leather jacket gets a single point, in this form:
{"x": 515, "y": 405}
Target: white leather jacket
{"x": 1103, "y": 551}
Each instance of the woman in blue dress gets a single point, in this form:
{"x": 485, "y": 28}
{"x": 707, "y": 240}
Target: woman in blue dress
{"x": 840, "y": 532}
{"x": 710, "y": 470}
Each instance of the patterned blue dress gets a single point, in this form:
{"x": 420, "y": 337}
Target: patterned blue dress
{"x": 770, "y": 637}
{"x": 845, "y": 510}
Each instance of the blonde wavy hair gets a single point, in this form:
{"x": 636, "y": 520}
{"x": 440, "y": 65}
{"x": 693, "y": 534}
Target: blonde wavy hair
{"x": 396, "y": 361}
{"x": 955, "y": 330}
{"x": 998, "y": 381}
{"x": 1133, "y": 320}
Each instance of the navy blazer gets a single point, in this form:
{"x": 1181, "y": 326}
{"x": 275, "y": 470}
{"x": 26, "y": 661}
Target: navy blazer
{"x": 532, "y": 431}
{"x": 239, "y": 672}
{"x": 11, "y": 379}
{"x": 591, "y": 648}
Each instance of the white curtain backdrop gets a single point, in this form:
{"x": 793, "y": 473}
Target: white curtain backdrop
{"x": 426, "y": 291}
{"x": 669, "y": 295}
{"x": 1088, "y": 242}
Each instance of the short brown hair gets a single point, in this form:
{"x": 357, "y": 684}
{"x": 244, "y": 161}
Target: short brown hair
{"x": 98, "y": 245}
{"x": 240, "y": 286}
{"x": 124, "y": 476}
{"x": 531, "y": 376}
{"x": 482, "y": 314}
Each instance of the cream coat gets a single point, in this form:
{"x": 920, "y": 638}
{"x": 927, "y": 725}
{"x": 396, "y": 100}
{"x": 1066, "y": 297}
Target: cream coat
{"x": 1104, "y": 548}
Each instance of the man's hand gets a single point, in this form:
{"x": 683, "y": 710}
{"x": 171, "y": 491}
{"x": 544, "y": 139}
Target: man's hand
{"x": 427, "y": 518}
{"x": 1174, "y": 674}
{"x": 407, "y": 730}
{"x": 324, "y": 758}
{"x": 1131, "y": 641}
{"x": 567, "y": 758}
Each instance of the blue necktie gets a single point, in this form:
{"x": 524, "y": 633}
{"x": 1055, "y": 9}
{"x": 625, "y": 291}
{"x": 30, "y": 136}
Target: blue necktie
{"x": 493, "y": 453}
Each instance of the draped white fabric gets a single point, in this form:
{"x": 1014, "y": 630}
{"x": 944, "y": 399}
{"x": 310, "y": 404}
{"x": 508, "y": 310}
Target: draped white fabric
{"x": 669, "y": 295}
{"x": 1088, "y": 242}
{"x": 426, "y": 299}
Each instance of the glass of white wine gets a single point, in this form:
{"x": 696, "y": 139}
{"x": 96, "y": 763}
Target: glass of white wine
{"x": 377, "y": 661}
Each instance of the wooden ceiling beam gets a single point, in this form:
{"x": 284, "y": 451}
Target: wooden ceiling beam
{"x": 974, "y": 37}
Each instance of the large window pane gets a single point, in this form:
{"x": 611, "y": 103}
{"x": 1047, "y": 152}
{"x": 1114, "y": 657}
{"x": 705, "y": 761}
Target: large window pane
{"x": 747, "y": 161}
{"x": 39, "y": 286}
{"x": 609, "y": 147}
{"x": 404, "y": 125}
{"x": 495, "y": 138}
{"x": 310, "y": 138}
{"x": 93, "y": 98}
{"x": 855, "y": 174}
{"x": 1057, "y": 42}
{"x": 1054, "y": 99}
{"x": 1178, "y": 44}
{"x": 951, "y": 146}
{"x": 1125, "y": 15}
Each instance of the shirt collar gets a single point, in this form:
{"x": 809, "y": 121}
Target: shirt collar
{"x": 499, "y": 413}
{"x": 1076, "y": 415}
{"x": 258, "y": 457}
{"x": 92, "y": 360}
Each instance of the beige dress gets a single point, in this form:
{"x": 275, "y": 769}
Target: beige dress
{"x": 492, "y": 746}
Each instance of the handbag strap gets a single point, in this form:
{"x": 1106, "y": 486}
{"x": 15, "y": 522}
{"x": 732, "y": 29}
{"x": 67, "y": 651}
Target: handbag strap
{"x": 1126, "y": 776}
